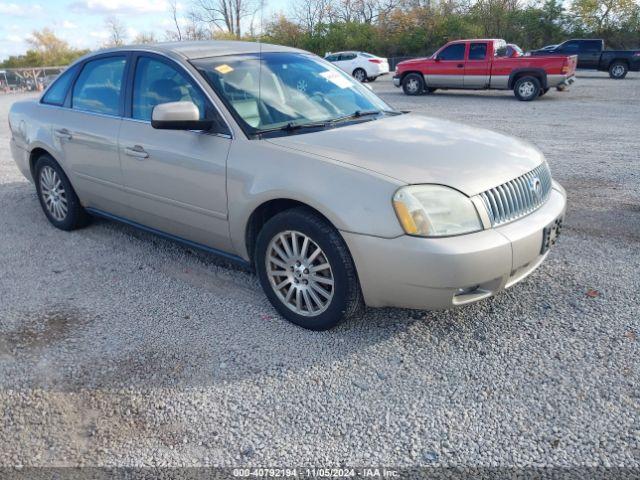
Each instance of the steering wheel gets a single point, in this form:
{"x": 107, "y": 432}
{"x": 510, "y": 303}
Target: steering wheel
{"x": 325, "y": 100}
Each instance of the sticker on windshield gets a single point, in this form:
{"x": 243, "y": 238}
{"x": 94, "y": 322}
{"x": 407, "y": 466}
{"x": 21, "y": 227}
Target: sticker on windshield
{"x": 224, "y": 68}
{"x": 336, "y": 78}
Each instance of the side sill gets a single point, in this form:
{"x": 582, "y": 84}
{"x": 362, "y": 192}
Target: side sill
{"x": 219, "y": 253}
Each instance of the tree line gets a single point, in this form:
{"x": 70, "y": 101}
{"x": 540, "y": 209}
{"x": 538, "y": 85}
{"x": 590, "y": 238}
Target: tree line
{"x": 390, "y": 28}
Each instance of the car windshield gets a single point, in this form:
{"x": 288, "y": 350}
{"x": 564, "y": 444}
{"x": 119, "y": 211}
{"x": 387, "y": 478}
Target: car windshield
{"x": 287, "y": 91}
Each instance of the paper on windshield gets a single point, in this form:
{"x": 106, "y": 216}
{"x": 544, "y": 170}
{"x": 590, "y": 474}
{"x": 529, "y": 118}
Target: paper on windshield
{"x": 336, "y": 78}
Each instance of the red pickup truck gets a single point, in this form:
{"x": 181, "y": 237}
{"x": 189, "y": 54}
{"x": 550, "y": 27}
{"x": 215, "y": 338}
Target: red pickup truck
{"x": 485, "y": 64}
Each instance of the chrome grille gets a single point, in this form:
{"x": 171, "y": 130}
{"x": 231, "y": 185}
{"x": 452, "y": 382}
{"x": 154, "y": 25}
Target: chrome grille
{"x": 518, "y": 197}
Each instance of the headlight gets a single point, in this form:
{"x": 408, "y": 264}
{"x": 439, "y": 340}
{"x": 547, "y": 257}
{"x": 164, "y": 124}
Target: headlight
{"x": 435, "y": 211}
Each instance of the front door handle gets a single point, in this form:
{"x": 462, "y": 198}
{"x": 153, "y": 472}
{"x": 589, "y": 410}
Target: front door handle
{"x": 461, "y": 65}
{"x": 63, "y": 134}
{"x": 136, "y": 151}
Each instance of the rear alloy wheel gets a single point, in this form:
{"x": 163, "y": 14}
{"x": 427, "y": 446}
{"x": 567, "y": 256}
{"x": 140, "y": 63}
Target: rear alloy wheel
{"x": 57, "y": 197}
{"x": 360, "y": 75}
{"x": 306, "y": 270}
{"x": 618, "y": 70}
{"x": 527, "y": 89}
{"x": 413, "y": 84}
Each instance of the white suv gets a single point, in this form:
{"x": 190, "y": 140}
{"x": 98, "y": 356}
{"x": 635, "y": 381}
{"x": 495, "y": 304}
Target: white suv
{"x": 363, "y": 66}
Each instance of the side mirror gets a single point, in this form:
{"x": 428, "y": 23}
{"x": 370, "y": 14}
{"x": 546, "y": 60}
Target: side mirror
{"x": 178, "y": 116}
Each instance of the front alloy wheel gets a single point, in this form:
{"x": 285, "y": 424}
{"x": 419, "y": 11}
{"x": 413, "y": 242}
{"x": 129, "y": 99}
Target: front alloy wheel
{"x": 306, "y": 270}
{"x": 300, "y": 273}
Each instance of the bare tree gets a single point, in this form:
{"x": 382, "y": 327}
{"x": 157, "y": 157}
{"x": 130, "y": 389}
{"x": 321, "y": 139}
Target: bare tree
{"x": 173, "y": 7}
{"x": 225, "y": 15}
{"x": 363, "y": 11}
{"x": 145, "y": 37}
{"x": 117, "y": 32}
{"x": 310, "y": 13}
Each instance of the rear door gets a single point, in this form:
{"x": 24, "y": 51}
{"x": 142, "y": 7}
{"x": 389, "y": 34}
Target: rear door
{"x": 347, "y": 61}
{"x": 589, "y": 53}
{"x": 175, "y": 179}
{"x": 89, "y": 131}
{"x": 477, "y": 66}
{"x": 448, "y": 69}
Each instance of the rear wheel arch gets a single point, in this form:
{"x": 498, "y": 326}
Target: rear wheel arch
{"x": 538, "y": 73}
{"x": 34, "y": 155}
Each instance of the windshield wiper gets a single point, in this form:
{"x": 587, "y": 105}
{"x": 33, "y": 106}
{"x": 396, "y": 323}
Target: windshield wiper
{"x": 290, "y": 127}
{"x": 356, "y": 114}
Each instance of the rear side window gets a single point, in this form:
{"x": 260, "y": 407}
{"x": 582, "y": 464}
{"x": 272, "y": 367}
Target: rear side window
{"x": 99, "y": 86}
{"x": 452, "y": 52}
{"x": 477, "y": 51}
{"x": 591, "y": 46}
{"x": 348, "y": 56}
{"x": 58, "y": 91}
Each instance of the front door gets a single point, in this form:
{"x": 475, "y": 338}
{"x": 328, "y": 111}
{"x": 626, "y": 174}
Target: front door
{"x": 176, "y": 179}
{"x": 448, "y": 69}
{"x": 477, "y": 67}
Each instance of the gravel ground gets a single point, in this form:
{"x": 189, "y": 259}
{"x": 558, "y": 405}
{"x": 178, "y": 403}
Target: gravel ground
{"x": 118, "y": 348}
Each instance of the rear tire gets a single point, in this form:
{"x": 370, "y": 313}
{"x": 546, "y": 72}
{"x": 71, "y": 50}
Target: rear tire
{"x": 313, "y": 289}
{"x": 57, "y": 197}
{"x": 527, "y": 88}
{"x": 360, "y": 75}
{"x": 618, "y": 70}
{"x": 413, "y": 84}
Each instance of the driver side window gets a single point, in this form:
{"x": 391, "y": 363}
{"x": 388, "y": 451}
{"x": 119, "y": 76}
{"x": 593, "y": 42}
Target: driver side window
{"x": 453, "y": 52}
{"x": 156, "y": 82}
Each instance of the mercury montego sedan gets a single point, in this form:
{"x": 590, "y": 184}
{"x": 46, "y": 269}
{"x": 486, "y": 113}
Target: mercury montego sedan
{"x": 273, "y": 157}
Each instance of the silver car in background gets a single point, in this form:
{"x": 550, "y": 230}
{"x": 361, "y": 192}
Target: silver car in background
{"x": 274, "y": 158}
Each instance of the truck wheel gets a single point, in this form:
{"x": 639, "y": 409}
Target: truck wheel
{"x": 618, "y": 70}
{"x": 527, "y": 89}
{"x": 413, "y": 84}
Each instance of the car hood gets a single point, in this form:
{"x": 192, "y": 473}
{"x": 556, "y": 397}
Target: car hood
{"x": 418, "y": 149}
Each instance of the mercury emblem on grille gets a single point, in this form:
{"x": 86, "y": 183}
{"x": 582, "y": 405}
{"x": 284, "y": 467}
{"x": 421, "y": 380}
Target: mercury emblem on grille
{"x": 536, "y": 187}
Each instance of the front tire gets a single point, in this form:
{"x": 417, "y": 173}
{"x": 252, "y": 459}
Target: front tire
{"x": 413, "y": 84}
{"x": 57, "y": 197}
{"x": 306, "y": 270}
{"x": 527, "y": 89}
{"x": 360, "y": 75}
{"x": 618, "y": 70}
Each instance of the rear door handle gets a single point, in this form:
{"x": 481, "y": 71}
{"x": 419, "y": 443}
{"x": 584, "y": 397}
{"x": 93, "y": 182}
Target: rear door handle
{"x": 136, "y": 151}
{"x": 63, "y": 134}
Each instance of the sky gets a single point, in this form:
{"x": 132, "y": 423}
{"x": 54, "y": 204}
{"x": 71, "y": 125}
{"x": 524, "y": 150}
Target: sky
{"x": 81, "y": 22}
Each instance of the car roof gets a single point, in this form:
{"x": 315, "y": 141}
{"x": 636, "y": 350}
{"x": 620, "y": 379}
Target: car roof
{"x": 202, "y": 49}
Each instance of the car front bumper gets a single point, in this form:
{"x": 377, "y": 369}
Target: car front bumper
{"x": 396, "y": 81}
{"x": 439, "y": 273}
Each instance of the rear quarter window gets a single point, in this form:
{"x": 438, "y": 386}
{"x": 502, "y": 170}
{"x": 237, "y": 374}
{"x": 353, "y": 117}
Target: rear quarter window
{"x": 57, "y": 93}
